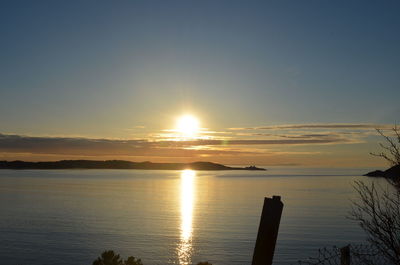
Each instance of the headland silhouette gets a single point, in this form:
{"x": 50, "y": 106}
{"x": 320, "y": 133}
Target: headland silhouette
{"x": 118, "y": 164}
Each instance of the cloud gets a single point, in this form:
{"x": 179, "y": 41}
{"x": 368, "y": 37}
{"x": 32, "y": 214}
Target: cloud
{"x": 87, "y": 146}
{"x": 252, "y": 141}
{"x": 102, "y": 147}
{"x": 255, "y": 142}
{"x": 298, "y": 146}
{"x": 300, "y": 136}
{"x": 359, "y": 126}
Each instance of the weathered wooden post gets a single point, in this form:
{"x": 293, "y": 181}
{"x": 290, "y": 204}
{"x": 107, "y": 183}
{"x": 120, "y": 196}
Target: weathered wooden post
{"x": 345, "y": 255}
{"x": 268, "y": 231}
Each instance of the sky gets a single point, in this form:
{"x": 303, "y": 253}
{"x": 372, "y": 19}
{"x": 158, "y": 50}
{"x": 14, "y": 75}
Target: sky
{"x": 286, "y": 83}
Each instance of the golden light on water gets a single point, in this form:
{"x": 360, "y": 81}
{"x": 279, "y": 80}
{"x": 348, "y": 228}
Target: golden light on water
{"x": 187, "y": 194}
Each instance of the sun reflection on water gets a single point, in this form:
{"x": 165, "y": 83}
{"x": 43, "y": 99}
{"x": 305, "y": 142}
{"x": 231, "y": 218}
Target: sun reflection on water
{"x": 187, "y": 200}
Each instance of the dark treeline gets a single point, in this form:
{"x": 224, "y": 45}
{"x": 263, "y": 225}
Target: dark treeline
{"x": 117, "y": 164}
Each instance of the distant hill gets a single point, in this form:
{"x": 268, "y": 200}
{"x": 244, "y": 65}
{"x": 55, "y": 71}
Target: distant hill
{"x": 117, "y": 164}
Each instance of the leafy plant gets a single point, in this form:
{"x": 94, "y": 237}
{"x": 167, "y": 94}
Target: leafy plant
{"x": 109, "y": 257}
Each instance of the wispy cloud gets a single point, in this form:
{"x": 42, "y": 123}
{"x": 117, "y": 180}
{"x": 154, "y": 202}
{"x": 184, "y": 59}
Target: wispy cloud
{"x": 289, "y": 143}
{"x": 255, "y": 142}
{"x": 87, "y": 146}
{"x": 102, "y": 147}
{"x": 360, "y": 126}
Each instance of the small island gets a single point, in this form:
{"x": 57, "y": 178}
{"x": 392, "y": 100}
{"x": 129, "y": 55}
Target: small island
{"x": 118, "y": 164}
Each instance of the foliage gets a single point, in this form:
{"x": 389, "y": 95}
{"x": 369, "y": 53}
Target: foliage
{"x": 133, "y": 261}
{"x": 378, "y": 214}
{"x": 204, "y": 263}
{"x": 109, "y": 257}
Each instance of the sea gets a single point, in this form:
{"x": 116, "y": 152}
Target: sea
{"x": 68, "y": 217}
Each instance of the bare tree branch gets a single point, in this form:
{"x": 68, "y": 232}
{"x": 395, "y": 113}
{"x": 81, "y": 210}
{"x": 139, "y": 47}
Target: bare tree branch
{"x": 378, "y": 214}
{"x": 391, "y": 148}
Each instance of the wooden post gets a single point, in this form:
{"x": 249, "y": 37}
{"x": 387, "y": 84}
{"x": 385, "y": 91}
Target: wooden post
{"x": 268, "y": 231}
{"x": 345, "y": 255}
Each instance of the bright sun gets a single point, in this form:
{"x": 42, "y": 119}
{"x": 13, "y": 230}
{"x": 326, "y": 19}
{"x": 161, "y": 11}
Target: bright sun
{"x": 188, "y": 126}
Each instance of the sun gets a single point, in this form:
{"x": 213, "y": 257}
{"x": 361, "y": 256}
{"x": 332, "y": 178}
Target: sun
{"x": 188, "y": 126}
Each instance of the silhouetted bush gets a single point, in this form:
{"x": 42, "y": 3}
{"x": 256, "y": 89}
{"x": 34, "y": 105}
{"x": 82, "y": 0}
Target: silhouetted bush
{"x": 133, "y": 261}
{"x": 109, "y": 257}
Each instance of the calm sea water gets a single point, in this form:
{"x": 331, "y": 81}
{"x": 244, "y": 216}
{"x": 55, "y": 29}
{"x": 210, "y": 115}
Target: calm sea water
{"x": 170, "y": 217}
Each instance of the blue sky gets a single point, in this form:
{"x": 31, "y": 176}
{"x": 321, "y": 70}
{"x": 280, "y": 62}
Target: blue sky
{"x": 126, "y": 69}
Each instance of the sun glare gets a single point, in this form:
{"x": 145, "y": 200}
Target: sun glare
{"x": 188, "y": 126}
